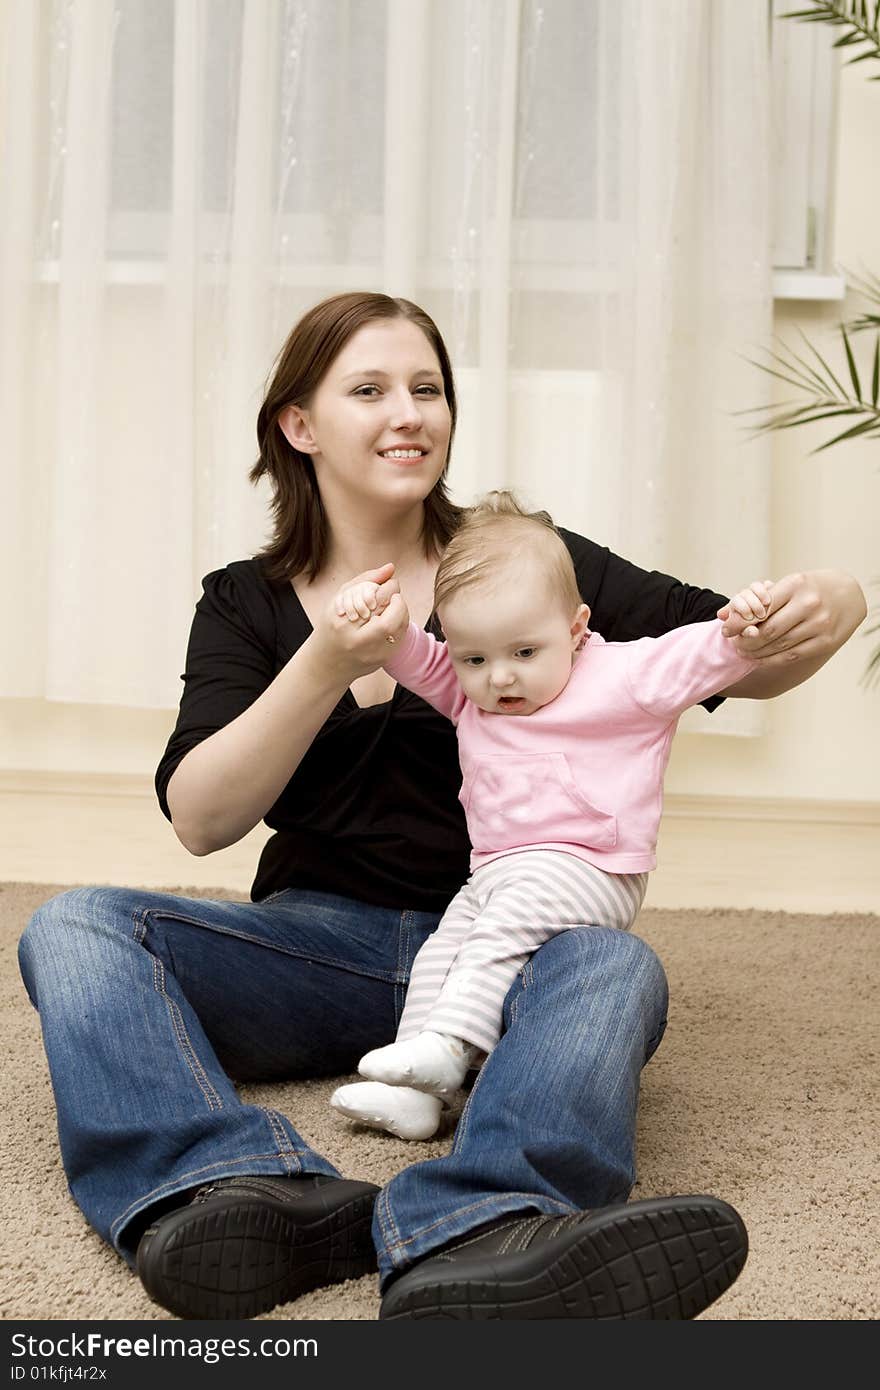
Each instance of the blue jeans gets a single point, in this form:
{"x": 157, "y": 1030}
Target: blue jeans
{"x": 150, "y": 1003}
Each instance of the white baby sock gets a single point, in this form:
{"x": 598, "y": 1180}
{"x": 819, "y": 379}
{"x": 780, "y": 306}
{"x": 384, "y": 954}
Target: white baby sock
{"x": 432, "y": 1062}
{"x": 400, "y": 1110}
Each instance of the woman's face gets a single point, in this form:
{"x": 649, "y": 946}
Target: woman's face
{"x": 377, "y": 428}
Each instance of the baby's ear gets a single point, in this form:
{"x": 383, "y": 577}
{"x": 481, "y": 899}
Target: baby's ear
{"x": 579, "y": 629}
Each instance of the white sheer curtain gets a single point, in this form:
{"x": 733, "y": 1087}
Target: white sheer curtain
{"x": 575, "y": 189}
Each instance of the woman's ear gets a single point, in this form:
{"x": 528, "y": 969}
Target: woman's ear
{"x": 294, "y": 424}
{"x": 579, "y": 630}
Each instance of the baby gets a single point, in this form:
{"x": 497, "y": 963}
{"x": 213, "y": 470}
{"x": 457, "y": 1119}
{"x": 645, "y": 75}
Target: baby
{"x": 563, "y": 741}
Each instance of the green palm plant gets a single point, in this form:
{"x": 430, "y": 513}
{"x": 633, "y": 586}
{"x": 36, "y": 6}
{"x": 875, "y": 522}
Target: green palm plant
{"x": 820, "y": 392}
{"x": 827, "y": 396}
{"x": 854, "y": 15}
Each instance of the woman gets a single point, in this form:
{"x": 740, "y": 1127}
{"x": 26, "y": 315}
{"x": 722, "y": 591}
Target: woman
{"x": 150, "y": 1004}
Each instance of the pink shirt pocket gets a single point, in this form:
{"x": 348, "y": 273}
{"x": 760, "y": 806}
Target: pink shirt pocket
{"x": 517, "y": 799}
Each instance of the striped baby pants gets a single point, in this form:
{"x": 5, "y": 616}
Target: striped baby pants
{"x": 506, "y": 910}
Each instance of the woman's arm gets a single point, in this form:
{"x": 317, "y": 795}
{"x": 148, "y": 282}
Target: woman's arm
{"x": 224, "y": 786}
{"x": 811, "y": 617}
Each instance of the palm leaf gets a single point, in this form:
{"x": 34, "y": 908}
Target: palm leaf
{"x": 808, "y": 376}
{"x": 799, "y": 383}
{"x": 865, "y": 427}
{"x": 826, "y": 397}
{"x": 817, "y": 354}
{"x": 853, "y": 15}
{"x": 784, "y": 414}
{"x": 857, "y": 385}
{"x": 867, "y": 284}
{"x": 807, "y": 416}
{"x": 811, "y": 370}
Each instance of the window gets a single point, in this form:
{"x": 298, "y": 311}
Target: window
{"x": 326, "y": 178}
{"x": 805, "y": 69}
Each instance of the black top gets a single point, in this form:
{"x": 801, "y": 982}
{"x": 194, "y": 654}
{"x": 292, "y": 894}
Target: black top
{"x": 372, "y": 811}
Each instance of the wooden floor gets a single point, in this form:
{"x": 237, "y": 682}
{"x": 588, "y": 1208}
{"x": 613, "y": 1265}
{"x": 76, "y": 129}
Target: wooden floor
{"x": 53, "y": 832}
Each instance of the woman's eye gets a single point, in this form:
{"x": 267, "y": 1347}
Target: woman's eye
{"x": 370, "y": 390}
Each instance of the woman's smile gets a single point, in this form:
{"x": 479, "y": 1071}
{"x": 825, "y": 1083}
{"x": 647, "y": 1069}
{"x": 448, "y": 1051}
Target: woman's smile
{"x": 405, "y": 456}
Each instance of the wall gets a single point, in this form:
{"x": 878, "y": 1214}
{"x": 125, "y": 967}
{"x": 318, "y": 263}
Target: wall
{"x": 820, "y": 741}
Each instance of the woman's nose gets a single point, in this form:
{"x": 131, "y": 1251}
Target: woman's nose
{"x": 405, "y": 413}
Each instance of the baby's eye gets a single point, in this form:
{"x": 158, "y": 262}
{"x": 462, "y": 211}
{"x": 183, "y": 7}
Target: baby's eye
{"x": 526, "y": 652}
{"x": 474, "y": 660}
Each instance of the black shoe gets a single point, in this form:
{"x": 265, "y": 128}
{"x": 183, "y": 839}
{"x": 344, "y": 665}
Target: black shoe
{"x": 243, "y": 1245}
{"x": 665, "y": 1258}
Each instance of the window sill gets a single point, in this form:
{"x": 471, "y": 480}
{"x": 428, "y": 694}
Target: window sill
{"x": 786, "y": 284}
{"x": 807, "y": 284}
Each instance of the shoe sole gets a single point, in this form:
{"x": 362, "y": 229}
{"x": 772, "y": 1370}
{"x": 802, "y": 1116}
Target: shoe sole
{"x": 234, "y": 1258}
{"x": 661, "y": 1259}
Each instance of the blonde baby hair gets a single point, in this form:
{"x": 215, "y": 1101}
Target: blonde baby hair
{"x": 497, "y": 534}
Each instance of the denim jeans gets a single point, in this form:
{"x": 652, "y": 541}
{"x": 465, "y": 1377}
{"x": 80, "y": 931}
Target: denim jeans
{"x": 151, "y": 1005}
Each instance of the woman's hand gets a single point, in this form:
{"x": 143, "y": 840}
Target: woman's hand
{"x": 362, "y": 623}
{"x": 811, "y": 616}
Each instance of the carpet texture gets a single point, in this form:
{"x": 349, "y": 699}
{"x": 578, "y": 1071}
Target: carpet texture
{"x": 764, "y": 1092}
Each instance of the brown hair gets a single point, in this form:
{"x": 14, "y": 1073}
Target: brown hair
{"x": 299, "y": 539}
{"x": 497, "y": 532}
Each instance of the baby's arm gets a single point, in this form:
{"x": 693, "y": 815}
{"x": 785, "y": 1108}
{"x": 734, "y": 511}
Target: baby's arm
{"x": 668, "y": 674}
{"x": 415, "y": 658}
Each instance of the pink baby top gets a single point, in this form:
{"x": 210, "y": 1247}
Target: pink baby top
{"x": 584, "y": 773}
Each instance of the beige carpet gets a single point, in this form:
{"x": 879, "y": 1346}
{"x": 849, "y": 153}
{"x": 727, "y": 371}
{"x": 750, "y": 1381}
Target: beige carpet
{"x": 764, "y": 1092}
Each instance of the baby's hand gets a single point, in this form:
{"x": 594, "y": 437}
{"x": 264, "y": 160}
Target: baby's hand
{"x": 750, "y": 606}
{"x": 359, "y": 599}
{"x": 364, "y": 600}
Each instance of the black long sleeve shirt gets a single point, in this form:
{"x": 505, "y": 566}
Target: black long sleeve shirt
{"x": 372, "y": 811}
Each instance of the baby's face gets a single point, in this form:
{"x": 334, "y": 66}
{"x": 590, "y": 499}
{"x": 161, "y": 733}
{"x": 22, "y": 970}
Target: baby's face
{"x": 512, "y": 647}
